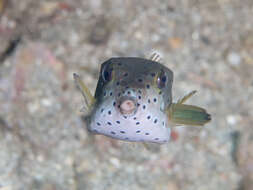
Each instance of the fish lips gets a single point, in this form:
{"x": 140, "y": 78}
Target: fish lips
{"x": 127, "y": 105}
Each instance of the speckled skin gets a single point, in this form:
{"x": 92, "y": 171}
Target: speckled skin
{"x": 135, "y": 79}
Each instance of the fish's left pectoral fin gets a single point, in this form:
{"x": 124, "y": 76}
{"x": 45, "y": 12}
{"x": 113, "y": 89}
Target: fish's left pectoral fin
{"x": 89, "y": 99}
{"x": 183, "y": 114}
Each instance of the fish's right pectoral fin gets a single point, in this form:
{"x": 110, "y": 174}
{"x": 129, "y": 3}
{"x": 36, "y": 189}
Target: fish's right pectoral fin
{"x": 183, "y": 114}
{"x": 89, "y": 99}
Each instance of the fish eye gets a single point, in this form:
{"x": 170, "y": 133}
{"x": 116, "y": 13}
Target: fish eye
{"x": 107, "y": 74}
{"x": 161, "y": 79}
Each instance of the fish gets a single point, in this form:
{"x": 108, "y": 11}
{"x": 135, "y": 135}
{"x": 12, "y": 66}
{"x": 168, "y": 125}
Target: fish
{"x": 133, "y": 101}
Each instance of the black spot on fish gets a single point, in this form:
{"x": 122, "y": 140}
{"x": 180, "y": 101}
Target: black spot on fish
{"x": 135, "y": 118}
{"x": 139, "y": 97}
{"x": 160, "y": 92}
{"x": 102, "y": 110}
{"x": 109, "y": 112}
{"x": 114, "y": 103}
{"x": 118, "y": 122}
{"x": 119, "y": 94}
{"x": 137, "y": 123}
{"x": 154, "y": 99}
{"x": 122, "y": 132}
{"x": 138, "y": 131}
{"x": 139, "y": 91}
{"x": 128, "y": 92}
{"x": 148, "y": 86}
{"x": 104, "y": 93}
{"x": 109, "y": 123}
{"x": 156, "y": 139}
{"x": 146, "y": 133}
{"x": 125, "y": 117}
{"x": 138, "y": 104}
{"x": 112, "y": 132}
{"x": 149, "y": 101}
{"x": 149, "y": 117}
{"x": 163, "y": 123}
{"x": 98, "y": 124}
{"x": 155, "y": 121}
{"x": 110, "y": 93}
{"x": 144, "y": 107}
{"x": 117, "y": 83}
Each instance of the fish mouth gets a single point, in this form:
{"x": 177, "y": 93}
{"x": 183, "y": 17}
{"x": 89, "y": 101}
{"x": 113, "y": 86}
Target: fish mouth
{"x": 127, "y": 105}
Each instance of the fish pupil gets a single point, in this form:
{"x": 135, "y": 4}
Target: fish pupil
{"x": 161, "y": 80}
{"x": 107, "y": 74}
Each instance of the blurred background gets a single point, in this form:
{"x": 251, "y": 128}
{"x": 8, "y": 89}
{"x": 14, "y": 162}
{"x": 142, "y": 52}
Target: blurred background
{"x": 43, "y": 141}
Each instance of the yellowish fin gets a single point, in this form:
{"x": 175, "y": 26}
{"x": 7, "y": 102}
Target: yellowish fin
{"x": 89, "y": 99}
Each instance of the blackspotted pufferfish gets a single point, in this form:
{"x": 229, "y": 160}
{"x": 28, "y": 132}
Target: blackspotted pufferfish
{"x": 133, "y": 101}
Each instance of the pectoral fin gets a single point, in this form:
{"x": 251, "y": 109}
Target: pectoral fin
{"x": 89, "y": 99}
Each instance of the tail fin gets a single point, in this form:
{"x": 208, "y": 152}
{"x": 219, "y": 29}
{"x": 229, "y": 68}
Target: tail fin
{"x": 183, "y": 114}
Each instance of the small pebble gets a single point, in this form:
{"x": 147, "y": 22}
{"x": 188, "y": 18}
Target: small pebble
{"x": 234, "y": 58}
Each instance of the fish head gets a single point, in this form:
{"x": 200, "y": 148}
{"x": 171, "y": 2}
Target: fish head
{"x": 132, "y": 96}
